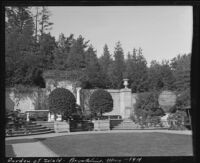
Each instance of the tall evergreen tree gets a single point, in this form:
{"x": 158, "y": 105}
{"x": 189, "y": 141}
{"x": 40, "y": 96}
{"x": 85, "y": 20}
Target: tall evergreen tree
{"x": 18, "y": 40}
{"x": 45, "y": 24}
{"x": 160, "y": 76}
{"x": 117, "y": 68}
{"x": 76, "y": 58}
{"x": 181, "y": 70}
{"x": 61, "y": 53}
{"x": 93, "y": 69}
{"x": 136, "y": 70}
{"x": 25, "y": 56}
{"x": 105, "y": 62}
{"x": 47, "y": 45}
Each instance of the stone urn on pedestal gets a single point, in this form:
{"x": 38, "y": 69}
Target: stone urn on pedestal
{"x": 125, "y": 83}
{"x": 125, "y": 101}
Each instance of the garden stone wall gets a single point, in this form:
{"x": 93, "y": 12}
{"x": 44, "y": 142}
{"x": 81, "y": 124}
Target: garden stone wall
{"x": 123, "y": 101}
{"x": 26, "y": 101}
{"x": 37, "y": 98}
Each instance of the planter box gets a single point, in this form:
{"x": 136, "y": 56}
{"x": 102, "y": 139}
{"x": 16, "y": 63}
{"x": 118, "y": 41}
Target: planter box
{"x": 100, "y": 125}
{"x": 81, "y": 126}
{"x": 61, "y": 126}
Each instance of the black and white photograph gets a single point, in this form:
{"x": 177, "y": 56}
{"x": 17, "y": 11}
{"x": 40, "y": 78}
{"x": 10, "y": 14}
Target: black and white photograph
{"x": 98, "y": 81}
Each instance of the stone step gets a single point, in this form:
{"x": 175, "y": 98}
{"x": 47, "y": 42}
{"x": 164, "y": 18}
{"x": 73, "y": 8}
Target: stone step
{"x": 126, "y": 124}
{"x": 35, "y": 133}
{"x": 32, "y": 125}
{"x": 121, "y": 125}
{"x": 35, "y": 127}
{"x": 126, "y": 128}
{"x": 40, "y": 130}
{"x": 32, "y": 129}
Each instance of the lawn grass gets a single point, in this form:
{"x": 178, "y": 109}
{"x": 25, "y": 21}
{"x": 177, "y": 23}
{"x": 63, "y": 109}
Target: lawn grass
{"x": 121, "y": 144}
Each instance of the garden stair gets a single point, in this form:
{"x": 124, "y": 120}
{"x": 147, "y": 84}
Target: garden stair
{"x": 32, "y": 129}
{"x": 126, "y": 124}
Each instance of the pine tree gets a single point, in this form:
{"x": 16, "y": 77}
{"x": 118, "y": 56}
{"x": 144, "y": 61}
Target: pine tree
{"x": 160, "y": 76}
{"x": 19, "y": 42}
{"x": 44, "y": 22}
{"x": 181, "y": 70}
{"x": 61, "y": 53}
{"x": 136, "y": 70}
{"x": 93, "y": 69}
{"x": 47, "y": 45}
{"x": 117, "y": 68}
{"x": 105, "y": 62}
{"x": 76, "y": 58}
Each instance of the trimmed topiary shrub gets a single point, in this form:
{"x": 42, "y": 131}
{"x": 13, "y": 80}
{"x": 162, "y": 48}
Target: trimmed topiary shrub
{"x": 62, "y": 101}
{"x": 100, "y": 102}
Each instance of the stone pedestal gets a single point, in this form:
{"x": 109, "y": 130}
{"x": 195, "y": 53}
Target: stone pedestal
{"x": 78, "y": 101}
{"x": 49, "y": 117}
{"x": 125, "y": 103}
{"x": 61, "y": 126}
{"x": 100, "y": 125}
{"x": 27, "y": 116}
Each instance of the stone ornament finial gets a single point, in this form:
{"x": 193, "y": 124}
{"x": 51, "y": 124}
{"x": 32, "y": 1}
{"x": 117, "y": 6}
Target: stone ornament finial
{"x": 125, "y": 83}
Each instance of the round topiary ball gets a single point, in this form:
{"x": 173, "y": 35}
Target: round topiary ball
{"x": 100, "y": 102}
{"x": 62, "y": 101}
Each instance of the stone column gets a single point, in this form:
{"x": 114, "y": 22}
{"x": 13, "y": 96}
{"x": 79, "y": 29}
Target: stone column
{"x": 125, "y": 100}
{"x": 78, "y": 100}
{"x": 49, "y": 117}
{"x": 27, "y": 116}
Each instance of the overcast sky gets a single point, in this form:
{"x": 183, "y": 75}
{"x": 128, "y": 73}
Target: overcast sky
{"x": 162, "y": 32}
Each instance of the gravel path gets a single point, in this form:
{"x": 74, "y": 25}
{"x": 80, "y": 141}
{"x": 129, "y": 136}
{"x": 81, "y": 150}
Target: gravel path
{"x": 35, "y": 149}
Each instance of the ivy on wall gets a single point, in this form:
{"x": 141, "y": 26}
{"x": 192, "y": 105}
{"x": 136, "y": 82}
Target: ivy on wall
{"x": 84, "y": 100}
{"x": 22, "y": 92}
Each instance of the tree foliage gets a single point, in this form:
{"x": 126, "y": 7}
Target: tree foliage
{"x": 183, "y": 99}
{"x": 160, "y": 76}
{"x": 93, "y": 70}
{"x": 181, "y": 70}
{"x": 76, "y": 58}
{"x": 105, "y": 62}
{"x": 136, "y": 71}
{"x": 30, "y": 50}
{"x": 19, "y": 45}
{"x": 61, "y": 52}
{"x": 100, "y": 102}
{"x": 147, "y": 105}
{"x": 117, "y": 67}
